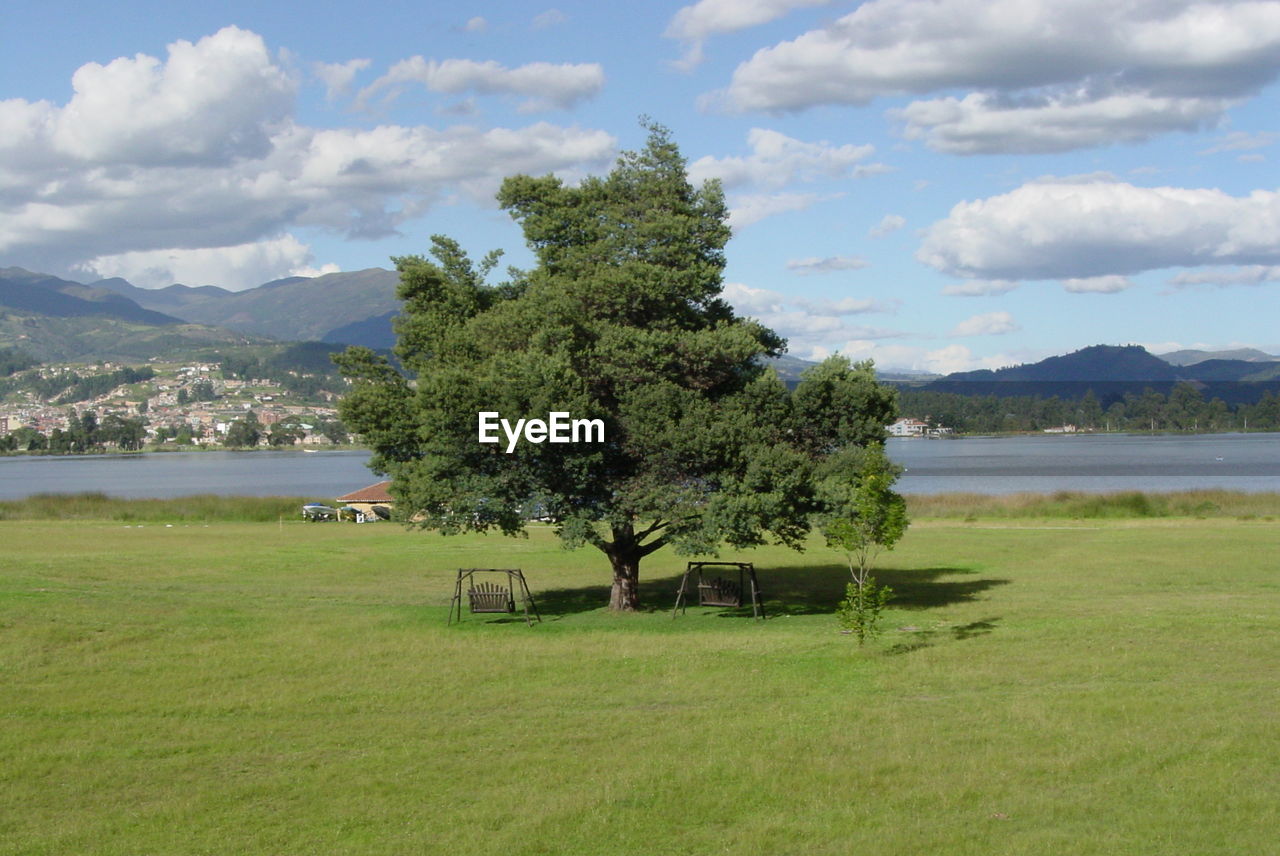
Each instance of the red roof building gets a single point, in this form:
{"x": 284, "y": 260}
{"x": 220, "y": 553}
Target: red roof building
{"x": 374, "y": 494}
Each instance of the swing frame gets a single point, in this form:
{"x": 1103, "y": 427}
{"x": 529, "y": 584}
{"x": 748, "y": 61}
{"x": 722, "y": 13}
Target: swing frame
{"x": 719, "y": 591}
{"x": 489, "y": 598}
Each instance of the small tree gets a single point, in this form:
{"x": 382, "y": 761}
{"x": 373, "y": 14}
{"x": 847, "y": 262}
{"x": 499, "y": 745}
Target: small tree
{"x": 244, "y": 432}
{"x": 864, "y": 516}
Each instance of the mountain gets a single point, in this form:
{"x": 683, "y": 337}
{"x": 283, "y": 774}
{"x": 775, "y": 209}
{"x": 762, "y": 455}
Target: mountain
{"x": 372, "y": 332}
{"x": 1102, "y": 363}
{"x": 1190, "y": 357}
{"x": 58, "y": 320}
{"x": 93, "y": 338}
{"x": 22, "y": 291}
{"x": 1111, "y": 372}
{"x": 169, "y": 299}
{"x": 294, "y": 308}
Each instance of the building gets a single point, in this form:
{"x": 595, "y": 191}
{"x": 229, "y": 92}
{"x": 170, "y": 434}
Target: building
{"x": 908, "y": 428}
{"x": 366, "y": 500}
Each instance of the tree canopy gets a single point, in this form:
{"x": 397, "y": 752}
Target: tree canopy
{"x": 621, "y": 321}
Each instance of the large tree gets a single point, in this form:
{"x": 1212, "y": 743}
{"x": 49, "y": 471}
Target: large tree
{"x": 620, "y": 320}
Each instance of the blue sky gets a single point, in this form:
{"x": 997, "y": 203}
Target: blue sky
{"x": 937, "y": 184}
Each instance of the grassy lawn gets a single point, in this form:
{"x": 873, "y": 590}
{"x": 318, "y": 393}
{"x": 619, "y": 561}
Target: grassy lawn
{"x": 1044, "y": 686}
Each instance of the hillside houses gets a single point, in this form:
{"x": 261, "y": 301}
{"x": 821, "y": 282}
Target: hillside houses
{"x": 190, "y": 403}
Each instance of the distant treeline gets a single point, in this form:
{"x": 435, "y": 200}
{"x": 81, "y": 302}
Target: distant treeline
{"x": 1183, "y": 408}
{"x": 83, "y": 434}
{"x": 304, "y": 369}
{"x": 13, "y": 360}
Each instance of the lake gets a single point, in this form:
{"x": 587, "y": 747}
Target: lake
{"x": 989, "y": 465}
{"x": 1093, "y": 463}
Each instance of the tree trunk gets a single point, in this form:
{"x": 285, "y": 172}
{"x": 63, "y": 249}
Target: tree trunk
{"x": 624, "y": 555}
{"x": 625, "y": 596}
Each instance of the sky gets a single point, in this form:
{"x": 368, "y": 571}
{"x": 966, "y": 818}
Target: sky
{"x": 938, "y": 185}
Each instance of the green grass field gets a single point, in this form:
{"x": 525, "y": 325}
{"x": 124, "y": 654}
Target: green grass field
{"x": 1064, "y": 686}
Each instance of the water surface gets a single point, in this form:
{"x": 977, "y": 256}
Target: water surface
{"x": 987, "y": 465}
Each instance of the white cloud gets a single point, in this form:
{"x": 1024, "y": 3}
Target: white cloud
{"x": 82, "y": 183}
{"x": 475, "y": 25}
{"x": 830, "y": 264}
{"x": 889, "y": 224}
{"x": 892, "y": 356}
{"x": 747, "y": 209}
{"x": 752, "y": 301}
{"x": 234, "y": 268}
{"x": 808, "y": 325}
{"x": 694, "y": 24}
{"x": 1242, "y": 141}
{"x": 1110, "y": 284}
{"x": 986, "y": 124}
{"x": 777, "y": 160}
{"x": 549, "y": 18}
{"x": 544, "y": 85}
{"x": 1223, "y": 278}
{"x": 337, "y": 76}
{"x": 845, "y": 306}
{"x": 989, "y": 324}
{"x": 1052, "y": 75}
{"x": 1090, "y": 227}
{"x": 980, "y": 288}
{"x": 211, "y": 103}
{"x": 952, "y": 358}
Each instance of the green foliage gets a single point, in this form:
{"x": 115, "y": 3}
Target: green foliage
{"x": 859, "y": 612}
{"x": 1184, "y": 408}
{"x": 14, "y": 360}
{"x": 1095, "y": 506}
{"x": 202, "y": 390}
{"x": 198, "y": 508}
{"x": 303, "y": 368}
{"x": 244, "y": 432}
{"x": 286, "y": 432}
{"x": 862, "y": 514}
{"x": 69, "y": 387}
{"x": 621, "y": 320}
{"x": 92, "y": 386}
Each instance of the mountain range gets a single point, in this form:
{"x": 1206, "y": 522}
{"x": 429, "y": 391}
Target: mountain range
{"x": 55, "y": 319}
{"x": 1112, "y": 371}
{"x": 297, "y": 308}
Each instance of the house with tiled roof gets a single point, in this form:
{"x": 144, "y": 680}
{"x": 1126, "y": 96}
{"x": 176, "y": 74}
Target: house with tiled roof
{"x": 366, "y": 499}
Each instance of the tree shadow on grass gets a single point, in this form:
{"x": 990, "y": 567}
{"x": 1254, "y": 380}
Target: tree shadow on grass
{"x": 926, "y": 637}
{"x": 817, "y": 590}
{"x": 554, "y": 603}
{"x": 813, "y": 590}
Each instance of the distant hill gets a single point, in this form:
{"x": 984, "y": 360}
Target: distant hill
{"x": 56, "y": 320}
{"x": 168, "y": 300}
{"x": 22, "y": 291}
{"x": 294, "y": 308}
{"x": 1113, "y": 371}
{"x": 372, "y": 332}
{"x": 1190, "y": 358}
{"x": 94, "y": 338}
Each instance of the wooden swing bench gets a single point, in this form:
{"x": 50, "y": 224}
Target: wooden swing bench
{"x": 492, "y": 597}
{"x": 720, "y": 591}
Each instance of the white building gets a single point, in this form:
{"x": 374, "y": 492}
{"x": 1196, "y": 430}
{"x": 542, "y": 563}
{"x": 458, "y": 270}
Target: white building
{"x": 908, "y": 428}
